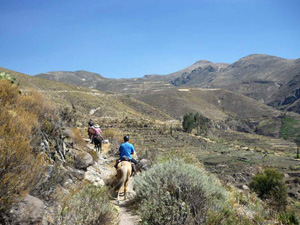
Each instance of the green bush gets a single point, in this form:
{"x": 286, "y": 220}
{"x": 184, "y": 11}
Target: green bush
{"x": 177, "y": 193}
{"x": 87, "y": 205}
{"x": 188, "y": 122}
{"x": 288, "y": 218}
{"x": 270, "y": 186}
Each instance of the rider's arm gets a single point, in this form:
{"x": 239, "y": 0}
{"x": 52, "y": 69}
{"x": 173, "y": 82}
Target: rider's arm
{"x": 132, "y": 150}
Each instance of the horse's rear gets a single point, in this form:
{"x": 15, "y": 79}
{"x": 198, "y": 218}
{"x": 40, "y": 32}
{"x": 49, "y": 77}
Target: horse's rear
{"x": 98, "y": 143}
{"x": 124, "y": 171}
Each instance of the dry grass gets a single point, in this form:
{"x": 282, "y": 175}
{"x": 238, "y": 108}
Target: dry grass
{"x": 19, "y": 121}
{"x": 76, "y": 136}
{"x": 94, "y": 154}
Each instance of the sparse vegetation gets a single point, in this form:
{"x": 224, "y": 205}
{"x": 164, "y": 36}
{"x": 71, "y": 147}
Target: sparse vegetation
{"x": 290, "y": 128}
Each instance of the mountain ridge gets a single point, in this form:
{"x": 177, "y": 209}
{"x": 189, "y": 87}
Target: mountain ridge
{"x": 262, "y": 77}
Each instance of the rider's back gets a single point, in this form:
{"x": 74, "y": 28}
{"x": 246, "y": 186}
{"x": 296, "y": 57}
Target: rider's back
{"x": 126, "y": 149}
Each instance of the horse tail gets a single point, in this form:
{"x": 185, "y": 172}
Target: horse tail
{"x": 123, "y": 171}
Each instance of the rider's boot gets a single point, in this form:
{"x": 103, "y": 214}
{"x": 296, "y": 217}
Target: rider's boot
{"x": 117, "y": 162}
{"x": 133, "y": 169}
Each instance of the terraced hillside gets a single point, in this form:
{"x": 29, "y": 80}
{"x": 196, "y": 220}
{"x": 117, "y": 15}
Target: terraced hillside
{"x": 233, "y": 156}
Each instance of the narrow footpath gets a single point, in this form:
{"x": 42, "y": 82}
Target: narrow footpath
{"x": 102, "y": 172}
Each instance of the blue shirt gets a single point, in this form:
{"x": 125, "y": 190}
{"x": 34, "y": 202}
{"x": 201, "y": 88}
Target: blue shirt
{"x": 126, "y": 149}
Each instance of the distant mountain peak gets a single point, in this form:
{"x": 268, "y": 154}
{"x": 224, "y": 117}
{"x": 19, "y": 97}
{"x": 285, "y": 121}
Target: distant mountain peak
{"x": 203, "y": 62}
{"x": 260, "y": 56}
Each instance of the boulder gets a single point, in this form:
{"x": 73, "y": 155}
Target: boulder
{"x": 83, "y": 160}
{"x": 29, "y": 211}
{"x": 93, "y": 175}
{"x": 143, "y": 165}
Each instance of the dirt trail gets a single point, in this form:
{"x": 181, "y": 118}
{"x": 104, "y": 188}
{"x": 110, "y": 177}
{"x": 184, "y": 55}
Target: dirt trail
{"x": 127, "y": 216}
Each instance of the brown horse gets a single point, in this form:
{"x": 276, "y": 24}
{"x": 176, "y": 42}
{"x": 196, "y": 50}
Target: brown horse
{"x": 90, "y": 132}
{"x": 124, "y": 171}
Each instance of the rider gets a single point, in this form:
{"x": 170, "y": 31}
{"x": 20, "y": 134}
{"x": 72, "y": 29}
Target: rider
{"x": 91, "y": 122}
{"x": 126, "y": 150}
{"x": 90, "y": 129}
{"x": 96, "y": 131}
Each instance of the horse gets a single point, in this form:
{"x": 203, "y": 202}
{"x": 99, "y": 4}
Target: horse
{"x": 90, "y": 132}
{"x": 98, "y": 143}
{"x": 124, "y": 171}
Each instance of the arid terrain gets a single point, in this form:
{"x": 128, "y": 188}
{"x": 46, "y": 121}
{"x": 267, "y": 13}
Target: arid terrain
{"x": 251, "y": 125}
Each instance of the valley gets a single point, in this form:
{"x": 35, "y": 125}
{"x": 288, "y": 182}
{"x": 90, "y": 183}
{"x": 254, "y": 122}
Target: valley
{"x": 244, "y": 135}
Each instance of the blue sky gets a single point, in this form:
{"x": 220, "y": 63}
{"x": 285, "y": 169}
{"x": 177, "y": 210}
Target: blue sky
{"x": 131, "y": 38}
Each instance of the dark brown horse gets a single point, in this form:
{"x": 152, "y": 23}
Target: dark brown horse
{"x": 98, "y": 143}
{"x": 90, "y": 132}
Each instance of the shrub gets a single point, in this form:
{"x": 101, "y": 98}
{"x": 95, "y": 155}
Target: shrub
{"x": 76, "y": 136}
{"x": 110, "y": 133}
{"x": 198, "y": 121}
{"x": 177, "y": 193}
{"x": 87, "y": 205}
{"x": 188, "y": 122}
{"x": 20, "y": 168}
{"x": 289, "y": 218}
{"x": 270, "y": 186}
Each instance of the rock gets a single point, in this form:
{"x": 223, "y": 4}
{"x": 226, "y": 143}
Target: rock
{"x": 94, "y": 177}
{"x": 286, "y": 175}
{"x": 29, "y": 211}
{"x": 143, "y": 165}
{"x": 106, "y": 141}
{"x": 245, "y": 187}
{"x": 79, "y": 174}
{"x": 67, "y": 182}
{"x": 83, "y": 160}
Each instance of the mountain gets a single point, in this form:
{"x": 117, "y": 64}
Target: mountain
{"x": 226, "y": 109}
{"x": 269, "y": 79}
{"x": 172, "y": 77}
{"x": 88, "y": 103}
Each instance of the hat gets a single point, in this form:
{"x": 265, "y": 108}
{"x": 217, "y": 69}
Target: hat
{"x": 97, "y": 126}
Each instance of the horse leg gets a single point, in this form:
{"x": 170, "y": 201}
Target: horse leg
{"x": 125, "y": 187}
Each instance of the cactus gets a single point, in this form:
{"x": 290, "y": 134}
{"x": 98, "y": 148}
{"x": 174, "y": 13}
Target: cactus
{"x": 7, "y": 76}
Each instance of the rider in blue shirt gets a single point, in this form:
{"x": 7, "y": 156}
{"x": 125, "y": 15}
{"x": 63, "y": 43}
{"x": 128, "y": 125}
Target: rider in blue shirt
{"x": 126, "y": 150}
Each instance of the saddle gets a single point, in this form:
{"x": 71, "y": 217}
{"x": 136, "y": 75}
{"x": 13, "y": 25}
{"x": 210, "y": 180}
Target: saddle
{"x": 125, "y": 158}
